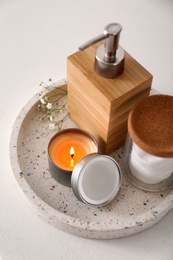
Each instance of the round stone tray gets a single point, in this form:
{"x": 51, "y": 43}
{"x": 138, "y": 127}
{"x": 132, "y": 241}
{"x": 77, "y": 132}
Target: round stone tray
{"x": 132, "y": 210}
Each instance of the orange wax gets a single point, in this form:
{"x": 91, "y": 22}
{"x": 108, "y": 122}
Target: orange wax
{"x": 59, "y": 149}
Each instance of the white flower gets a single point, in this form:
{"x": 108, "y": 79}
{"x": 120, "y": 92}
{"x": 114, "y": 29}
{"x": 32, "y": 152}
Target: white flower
{"x": 49, "y": 106}
{"x": 46, "y": 98}
{"x": 43, "y": 101}
{"x": 51, "y": 118}
{"x": 52, "y": 126}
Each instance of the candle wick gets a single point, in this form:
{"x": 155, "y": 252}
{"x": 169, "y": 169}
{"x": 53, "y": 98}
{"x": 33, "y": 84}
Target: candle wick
{"x": 72, "y": 161}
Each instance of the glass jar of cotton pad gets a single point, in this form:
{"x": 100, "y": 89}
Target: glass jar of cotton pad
{"x": 148, "y": 151}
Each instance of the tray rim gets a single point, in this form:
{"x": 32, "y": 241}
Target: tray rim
{"x": 68, "y": 223}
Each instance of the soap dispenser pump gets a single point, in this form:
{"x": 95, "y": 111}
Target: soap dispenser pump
{"x": 100, "y": 105}
{"x": 109, "y": 59}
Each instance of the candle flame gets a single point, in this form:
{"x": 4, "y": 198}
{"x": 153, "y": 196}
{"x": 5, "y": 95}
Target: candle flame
{"x": 72, "y": 151}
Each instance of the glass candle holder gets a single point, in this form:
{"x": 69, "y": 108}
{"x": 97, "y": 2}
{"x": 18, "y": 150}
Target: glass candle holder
{"x": 74, "y": 162}
{"x": 148, "y": 151}
{"x": 65, "y": 149}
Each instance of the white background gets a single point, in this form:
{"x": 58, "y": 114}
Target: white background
{"x": 36, "y": 37}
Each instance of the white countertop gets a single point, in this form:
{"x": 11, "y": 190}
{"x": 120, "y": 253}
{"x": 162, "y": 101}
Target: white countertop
{"x": 36, "y": 38}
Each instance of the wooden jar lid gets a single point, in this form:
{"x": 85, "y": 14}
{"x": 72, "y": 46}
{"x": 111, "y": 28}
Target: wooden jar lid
{"x": 150, "y": 125}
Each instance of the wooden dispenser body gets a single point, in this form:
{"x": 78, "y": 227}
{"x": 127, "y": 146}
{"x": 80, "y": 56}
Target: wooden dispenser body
{"x": 100, "y": 105}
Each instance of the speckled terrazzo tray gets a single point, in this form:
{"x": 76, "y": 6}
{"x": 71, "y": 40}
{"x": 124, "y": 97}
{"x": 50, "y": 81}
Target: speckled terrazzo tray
{"x": 132, "y": 210}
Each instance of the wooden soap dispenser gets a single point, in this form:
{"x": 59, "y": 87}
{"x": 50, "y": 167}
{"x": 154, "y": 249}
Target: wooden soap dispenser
{"x": 104, "y": 83}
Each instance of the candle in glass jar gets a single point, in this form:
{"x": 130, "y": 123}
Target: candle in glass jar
{"x": 62, "y": 144}
{"x": 74, "y": 162}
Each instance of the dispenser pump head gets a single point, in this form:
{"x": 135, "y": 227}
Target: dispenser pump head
{"x": 109, "y": 60}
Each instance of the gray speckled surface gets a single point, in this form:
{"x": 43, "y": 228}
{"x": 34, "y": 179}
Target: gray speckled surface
{"x": 132, "y": 210}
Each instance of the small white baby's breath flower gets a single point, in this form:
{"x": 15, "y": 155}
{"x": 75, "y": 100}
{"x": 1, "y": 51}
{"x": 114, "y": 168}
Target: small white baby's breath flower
{"x": 49, "y": 105}
{"x": 51, "y": 118}
{"x": 42, "y": 100}
{"x": 46, "y": 98}
{"x": 52, "y": 126}
{"x": 52, "y": 105}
